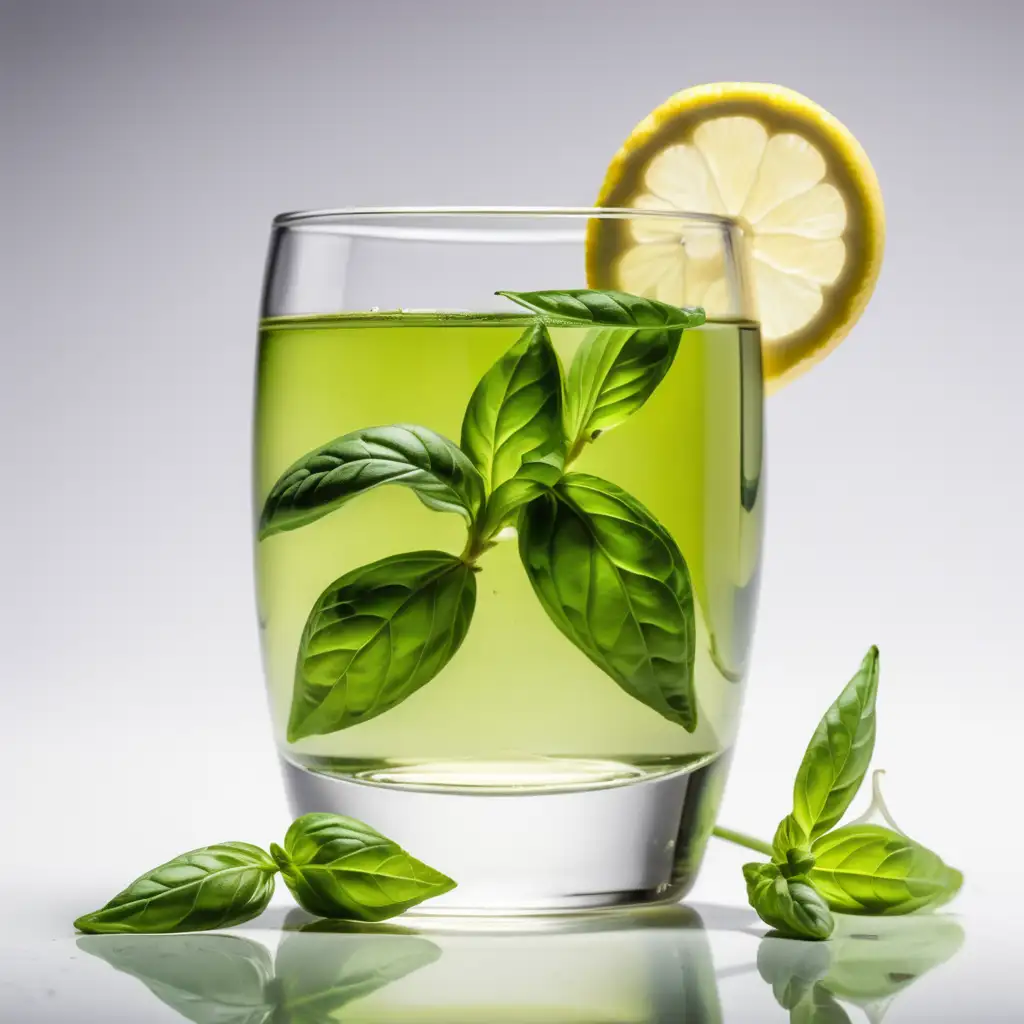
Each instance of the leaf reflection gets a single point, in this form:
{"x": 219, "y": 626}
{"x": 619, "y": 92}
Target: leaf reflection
{"x": 867, "y": 964}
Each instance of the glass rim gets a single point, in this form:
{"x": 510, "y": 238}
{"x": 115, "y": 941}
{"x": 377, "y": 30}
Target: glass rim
{"x": 342, "y": 215}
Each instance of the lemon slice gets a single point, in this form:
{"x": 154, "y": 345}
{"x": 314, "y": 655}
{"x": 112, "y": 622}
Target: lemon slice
{"x": 801, "y": 189}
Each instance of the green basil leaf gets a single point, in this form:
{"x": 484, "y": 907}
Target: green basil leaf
{"x": 607, "y": 307}
{"x": 514, "y": 417}
{"x": 870, "y": 869}
{"x": 797, "y": 862}
{"x": 440, "y": 475}
{"x": 615, "y": 583}
{"x": 534, "y": 479}
{"x": 339, "y": 867}
{"x": 375, "y": 636}
{"x": 612, "y": 375}
{"x": 819, "y": 1007}
{"x": 208, "y": 979}
{"x": 789, "y": 905}
{"x": 834, "y": 763}
{"x": 318, "y": 974}
{"x": 792, "y": 968}
{"x": 213, "y": 887}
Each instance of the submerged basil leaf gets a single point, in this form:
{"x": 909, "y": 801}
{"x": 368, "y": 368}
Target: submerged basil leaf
{"x": 870, "y": 869}
{"x": 213, "y": 887}
{"x": 615, "y": 583}
{"x": 533, "y": 480}
{"x": 208, "y": 979}
{"x": 375, "y": 636}
{"x": 789, "y": 905}
{"x": 619, "y": 363}
{"x": 341, "y": 868}
{"x": 440, "y": 475}
{"x": 318, "y": 974}
{"x": 612, "y": 375}
{"x": 514, "y": 417}
{"x": 834, "y": 763}
{"x": 607, "y": 307}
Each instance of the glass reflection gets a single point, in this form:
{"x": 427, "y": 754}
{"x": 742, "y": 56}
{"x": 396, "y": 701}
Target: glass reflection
{"x": 653, "y": 966}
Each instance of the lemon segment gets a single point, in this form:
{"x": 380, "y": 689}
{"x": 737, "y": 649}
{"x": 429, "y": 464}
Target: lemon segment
{"x": 800, "y": 189}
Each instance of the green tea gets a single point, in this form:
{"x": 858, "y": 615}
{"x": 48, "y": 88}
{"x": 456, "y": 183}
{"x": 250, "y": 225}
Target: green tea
{"x": 517, "y": 708}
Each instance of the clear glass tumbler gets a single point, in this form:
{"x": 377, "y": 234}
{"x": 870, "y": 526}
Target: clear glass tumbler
{"x": 507, "y": 566}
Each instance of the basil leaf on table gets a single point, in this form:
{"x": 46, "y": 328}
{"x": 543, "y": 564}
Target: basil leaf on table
{"x": 208, "y": 979}
{"x": 870, "y": 869}
{"x": 615, "y": 583}
{"x": 834, "y": 763}
{"x": 375, "y": 636}
{"x": 318, "y": 974}
{"x": 607, "y": 307}
{"x": 341, "y": 868}
{"x": 789, "y": 905}
{"x": 514, "y": 416}
{"x": 212, "y": 887}
{"x": 437, "y": 471}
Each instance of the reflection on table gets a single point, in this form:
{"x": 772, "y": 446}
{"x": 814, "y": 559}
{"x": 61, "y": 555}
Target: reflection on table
{"x": 642, "y": 967}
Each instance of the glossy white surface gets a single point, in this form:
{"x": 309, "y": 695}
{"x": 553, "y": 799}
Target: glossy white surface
{"x": 705, "y": 963}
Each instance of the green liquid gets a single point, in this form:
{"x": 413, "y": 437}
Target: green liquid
{"x": 518, "y": 708}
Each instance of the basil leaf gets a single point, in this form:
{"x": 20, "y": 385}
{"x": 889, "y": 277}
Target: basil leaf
{"x": 339, "y": 867}
{"x": 789, "y": 905}
{"x": 797, "y": 862}
{"x": 612, "y": 375}
{"x": 615, "y": 583}
{"x": 607, "y": 307}
{"x": 375, "y": 636}
{"x": 534, "y": 479}
{"x": 514, "y": 416}
{"x": 870, "y": 869}
{"x": 792, "y": 968}
{"x": 819, "y": 1007}
{"x": 208, "y": 979}
{"x": 440, "y": 475}
{"x": 213, "y": 887}
{"x": 319, "y": 974}
{"x": 834, "y": 763}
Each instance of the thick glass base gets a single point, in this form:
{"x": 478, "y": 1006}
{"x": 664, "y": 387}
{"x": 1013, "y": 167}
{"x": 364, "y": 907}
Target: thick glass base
{"x": 536, "y": 851}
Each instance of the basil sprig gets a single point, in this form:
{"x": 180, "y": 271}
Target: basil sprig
{"x": 861, "y": 868}
{"x": 335, "y": 866}
{"x": 381, "y": 631}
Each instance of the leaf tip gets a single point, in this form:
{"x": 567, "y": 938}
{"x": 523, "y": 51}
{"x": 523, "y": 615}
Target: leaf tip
{"x": 84, "y": 924}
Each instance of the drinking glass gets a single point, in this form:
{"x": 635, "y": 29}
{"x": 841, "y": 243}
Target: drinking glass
{"x": 546, "y": 716}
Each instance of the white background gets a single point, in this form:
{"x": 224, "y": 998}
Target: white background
{"x": 148, "y": 147}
